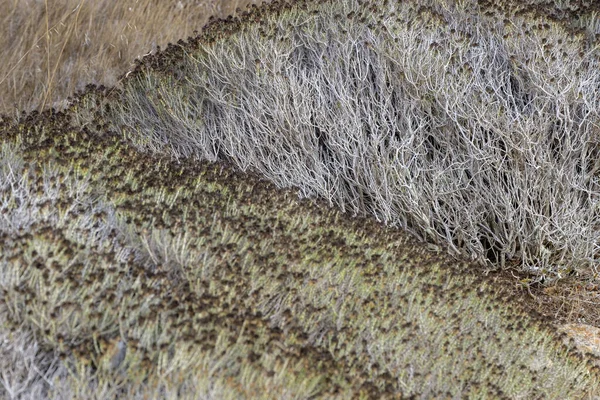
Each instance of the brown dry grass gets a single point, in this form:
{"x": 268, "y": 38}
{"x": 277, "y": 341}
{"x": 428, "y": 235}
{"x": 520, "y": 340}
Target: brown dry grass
{"x": 53, "y": 48}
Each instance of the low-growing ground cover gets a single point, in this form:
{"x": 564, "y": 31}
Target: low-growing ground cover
{"x": 475, "y": 127}
{"x": 130, "y": 275}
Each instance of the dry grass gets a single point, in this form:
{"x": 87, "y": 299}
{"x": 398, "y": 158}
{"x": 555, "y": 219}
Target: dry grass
{"x": 54, "y": 48}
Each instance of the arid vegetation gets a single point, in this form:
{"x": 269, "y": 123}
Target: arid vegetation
{"x": 138, "y": 261}
{"x": 474, "y": 128}
{"x": 53, "y": 48}
{"x": 125, "y": 275}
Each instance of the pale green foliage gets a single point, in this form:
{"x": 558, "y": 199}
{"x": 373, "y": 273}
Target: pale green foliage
{"x": 202, "y": 283}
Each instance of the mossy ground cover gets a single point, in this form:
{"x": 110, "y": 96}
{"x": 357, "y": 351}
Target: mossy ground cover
{"x": 132, "y": 266}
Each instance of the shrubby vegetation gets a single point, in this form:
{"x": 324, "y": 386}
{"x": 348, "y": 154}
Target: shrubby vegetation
{"x": 128, "y": 276}
{"x": 137, "y": 261}
{"x": 472, "y": 127}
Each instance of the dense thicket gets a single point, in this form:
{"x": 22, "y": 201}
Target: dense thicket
{"x": 473, "y": 126}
